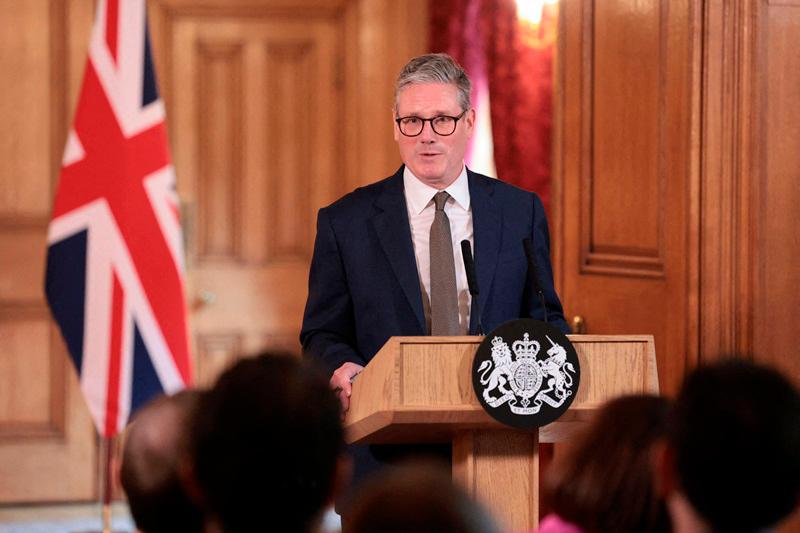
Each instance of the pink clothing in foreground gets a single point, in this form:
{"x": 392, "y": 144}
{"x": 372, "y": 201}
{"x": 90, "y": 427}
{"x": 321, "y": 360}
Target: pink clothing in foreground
{"x": 553, "y": 523}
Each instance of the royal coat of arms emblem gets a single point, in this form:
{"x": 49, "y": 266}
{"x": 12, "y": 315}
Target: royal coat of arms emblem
{"x": 517, "y": 383}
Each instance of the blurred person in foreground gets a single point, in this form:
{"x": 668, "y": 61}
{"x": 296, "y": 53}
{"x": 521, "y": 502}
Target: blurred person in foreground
{"x": 155, "y": 463}
{"x": 268, "y": 446}
{"x": 416, "y": 497}
{"x": 731, "y": 461}
{"x": 605, "y": 480}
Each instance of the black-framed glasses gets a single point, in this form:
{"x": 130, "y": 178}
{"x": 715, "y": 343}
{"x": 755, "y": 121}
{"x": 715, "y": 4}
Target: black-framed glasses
{"x": 441, "y": 124}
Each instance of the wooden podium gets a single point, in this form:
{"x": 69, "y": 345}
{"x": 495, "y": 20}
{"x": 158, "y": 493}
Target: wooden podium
{"x": 419, "y": 390}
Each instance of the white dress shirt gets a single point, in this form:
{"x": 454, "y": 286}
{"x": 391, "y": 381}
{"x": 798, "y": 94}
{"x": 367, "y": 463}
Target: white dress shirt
{"x": 419, "y": 202}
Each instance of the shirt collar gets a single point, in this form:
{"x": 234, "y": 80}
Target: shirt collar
{"x": 419, "y": 194}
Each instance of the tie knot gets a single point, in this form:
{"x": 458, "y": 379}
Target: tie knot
{"x": 440, "y": 198}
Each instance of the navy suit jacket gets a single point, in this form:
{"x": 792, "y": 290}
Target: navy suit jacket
{"x": 364, "y": 285}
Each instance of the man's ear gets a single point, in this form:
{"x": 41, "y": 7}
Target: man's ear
{"x": 342, "y": 474}
{"x": 470, "y": 120}
{"x": 395, "y": 127}
{"x": 662, "y": 459}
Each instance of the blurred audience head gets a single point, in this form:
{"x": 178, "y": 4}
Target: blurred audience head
{"x": 733, "y": 451}
{"x": 267, "y": 445}
{"x": 417, "y": 497}
{"x": 605, "y": 479}
{"x": 153, "y": 463}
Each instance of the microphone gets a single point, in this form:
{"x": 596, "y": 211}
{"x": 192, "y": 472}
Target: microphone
{"x": 533, "y": 274}
{"x": 472, "y": 281}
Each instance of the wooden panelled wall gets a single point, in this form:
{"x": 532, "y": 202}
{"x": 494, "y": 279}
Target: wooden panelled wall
{"x": 677, "y": 177}
{"x": 47, "y": 443}
{"x": 677, "y": 174}
{"x": 274, "y": 108}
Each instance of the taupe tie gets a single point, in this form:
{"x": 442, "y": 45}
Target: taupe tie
{"x": 444, "y": 295}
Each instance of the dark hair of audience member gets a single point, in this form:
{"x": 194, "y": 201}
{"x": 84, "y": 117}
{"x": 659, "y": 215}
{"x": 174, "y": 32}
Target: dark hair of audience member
{"x": 267, "y": 442}
{"x": 417, "y": 497}
{"x": 736, "y": 439}
{"x": 156, "y": 450}
{"x": 604, "y": 481}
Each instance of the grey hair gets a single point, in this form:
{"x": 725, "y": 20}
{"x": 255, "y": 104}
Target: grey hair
{"x": 435, "y": 68}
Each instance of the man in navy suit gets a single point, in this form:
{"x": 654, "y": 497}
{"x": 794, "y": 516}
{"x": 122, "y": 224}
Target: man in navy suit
{"x": 377, "y": 269}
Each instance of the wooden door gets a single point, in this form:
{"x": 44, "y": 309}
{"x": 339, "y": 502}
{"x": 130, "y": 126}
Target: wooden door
{"x": 276, "y": 108}
{"x": 254, "y": 97}
{"x": 624, "y": 180}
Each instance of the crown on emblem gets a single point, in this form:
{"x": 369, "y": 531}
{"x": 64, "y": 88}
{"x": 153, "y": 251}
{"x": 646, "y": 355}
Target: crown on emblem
{"x": 497, "y": 342}
{"x": 526, "y": 348}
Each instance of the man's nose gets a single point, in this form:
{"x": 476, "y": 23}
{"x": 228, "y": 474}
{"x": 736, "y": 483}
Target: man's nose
{"x": 427, "y": 135}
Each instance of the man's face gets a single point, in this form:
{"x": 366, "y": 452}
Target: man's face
{"x": 434, "y": 159}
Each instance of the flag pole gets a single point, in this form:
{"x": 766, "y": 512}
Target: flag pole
{"x": 107, "y": 483}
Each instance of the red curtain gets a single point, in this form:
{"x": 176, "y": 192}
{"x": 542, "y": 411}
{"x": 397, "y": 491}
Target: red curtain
{"x": 517, "y": 57}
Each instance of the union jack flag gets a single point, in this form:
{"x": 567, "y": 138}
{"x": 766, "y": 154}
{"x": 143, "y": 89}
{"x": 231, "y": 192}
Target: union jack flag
{"x": 114, "y": 264}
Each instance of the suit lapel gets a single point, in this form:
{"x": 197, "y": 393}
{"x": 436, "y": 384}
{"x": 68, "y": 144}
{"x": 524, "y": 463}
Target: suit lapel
{"x": 487, "y": 220}
{"x": 394, "y": 234}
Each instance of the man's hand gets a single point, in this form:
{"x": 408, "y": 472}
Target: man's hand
{"x": 341, "y": 383}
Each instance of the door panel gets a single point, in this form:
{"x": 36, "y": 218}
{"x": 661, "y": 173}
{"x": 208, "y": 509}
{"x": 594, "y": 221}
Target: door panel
{"x": 623, "y": 161}
{"x": 254, "y": 101}
{"x": 276, "y": 108}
